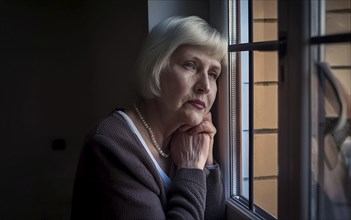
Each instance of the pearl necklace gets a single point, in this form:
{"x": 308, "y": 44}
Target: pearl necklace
{"x": 151, "y": 133}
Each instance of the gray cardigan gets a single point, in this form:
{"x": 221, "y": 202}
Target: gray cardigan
{"x": 116, "y": 179}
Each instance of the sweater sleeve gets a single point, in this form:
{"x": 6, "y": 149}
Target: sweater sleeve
{"x": 112, "y": 185}
{"x": 215, "y": 200}
{"x": 187, "y": 197}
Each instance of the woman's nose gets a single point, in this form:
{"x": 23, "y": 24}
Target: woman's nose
{"x": 203, "y": 84}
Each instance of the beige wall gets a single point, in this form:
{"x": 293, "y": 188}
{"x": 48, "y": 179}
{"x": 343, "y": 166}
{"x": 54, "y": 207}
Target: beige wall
{"x": 265, "y": 108}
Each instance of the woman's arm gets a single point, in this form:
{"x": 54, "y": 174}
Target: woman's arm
{"x": 215, "y": 200}
{"x": 112, "y": 184}
{"x": 193, "y": 146}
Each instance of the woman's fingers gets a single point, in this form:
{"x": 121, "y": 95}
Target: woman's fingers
{"x": 187, "y": 135}
{"x": 184, "y": 128}
{"x": 190, "y": 151}
{"x": 203, "y": 127}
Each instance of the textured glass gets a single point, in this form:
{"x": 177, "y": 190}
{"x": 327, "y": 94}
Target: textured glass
{"x": 331, "y": 132}
{"x": 337, "y": 16}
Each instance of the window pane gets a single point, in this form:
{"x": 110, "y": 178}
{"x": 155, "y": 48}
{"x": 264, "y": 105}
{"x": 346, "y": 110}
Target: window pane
{"x": 243, "y": 14}
{"x": 331, "y": 144}
{"x": 240, "y": 124}
{"x": 265, "y": 152}
{"x": 330, "y": 17}
{"x": 266, "y": 130}
{"x": 337, "y": 16}
{"x": 265, "y": 20}
{"x": 265, "y": 180}
{"x": 244, "y": 72}
{"x": 262, "y": 92}
{"x": 331, "y": 113}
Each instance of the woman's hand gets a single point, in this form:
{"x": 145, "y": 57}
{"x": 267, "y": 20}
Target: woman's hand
{"x": 190, "y": 151}
{"x": 206, "y": 127}
{"x": 194, "y": 141}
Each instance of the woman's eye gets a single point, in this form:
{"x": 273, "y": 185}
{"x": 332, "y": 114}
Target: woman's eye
{"x": 190, "y": 66}
{"x": 214, "y": 75}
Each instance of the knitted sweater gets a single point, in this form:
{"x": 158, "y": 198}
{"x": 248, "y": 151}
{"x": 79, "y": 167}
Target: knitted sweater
{"x": 116, "y": 179}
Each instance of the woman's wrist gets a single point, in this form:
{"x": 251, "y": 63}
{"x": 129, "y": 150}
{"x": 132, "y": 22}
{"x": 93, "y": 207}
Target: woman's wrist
{"x": 209, "y": 161}
{"x": 188, "y": 165}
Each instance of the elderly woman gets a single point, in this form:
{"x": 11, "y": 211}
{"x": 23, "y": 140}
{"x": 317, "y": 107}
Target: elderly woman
{"x": 153, "y": 159}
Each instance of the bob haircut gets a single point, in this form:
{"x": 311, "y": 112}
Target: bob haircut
{"x": 164, "y": 39}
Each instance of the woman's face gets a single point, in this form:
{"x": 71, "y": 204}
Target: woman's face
{"x": 188, "y": 84}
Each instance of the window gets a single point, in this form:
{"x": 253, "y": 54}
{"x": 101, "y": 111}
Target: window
{"x": 289, "y": 97}
{"x": 254, "y": 104}
{"x": 331, "y": 110}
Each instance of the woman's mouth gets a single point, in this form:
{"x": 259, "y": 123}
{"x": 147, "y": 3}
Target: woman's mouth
{"x": 198, "y": 104}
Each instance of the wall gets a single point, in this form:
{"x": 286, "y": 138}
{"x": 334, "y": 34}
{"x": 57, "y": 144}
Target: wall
{"x": 162, "y": 9}
{"x": 265, "y": 25}
{"x": 63, "y": 66}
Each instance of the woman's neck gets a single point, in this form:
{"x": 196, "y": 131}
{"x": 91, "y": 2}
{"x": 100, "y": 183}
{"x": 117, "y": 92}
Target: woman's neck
{"x": 161, "y": 130}
{"x": 159, "y": 121}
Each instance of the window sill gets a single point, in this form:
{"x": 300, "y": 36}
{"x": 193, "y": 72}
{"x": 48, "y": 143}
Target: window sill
{"x": 236, "y": 211}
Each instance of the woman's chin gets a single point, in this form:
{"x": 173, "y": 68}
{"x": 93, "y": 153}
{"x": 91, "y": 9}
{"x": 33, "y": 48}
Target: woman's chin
{"x": 194, "y": 119}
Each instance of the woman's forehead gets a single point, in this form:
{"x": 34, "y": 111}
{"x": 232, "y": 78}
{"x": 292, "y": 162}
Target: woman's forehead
{"x": 194, "y": 50}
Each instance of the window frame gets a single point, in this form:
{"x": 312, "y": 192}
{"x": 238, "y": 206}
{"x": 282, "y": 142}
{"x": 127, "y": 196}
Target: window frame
{"x": 246, "y": 207}
{"x": 294, "y": 50}
{"x": 294, "y": 109}
{"x": 293, "y": 184}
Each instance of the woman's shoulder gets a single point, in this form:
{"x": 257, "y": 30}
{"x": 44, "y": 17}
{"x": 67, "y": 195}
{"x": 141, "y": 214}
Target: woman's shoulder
{"x": 113, "y": 146}
{"x": 113, "y": 135}
{"x": 112, "y": 124}
{"x": 113, "y": 130}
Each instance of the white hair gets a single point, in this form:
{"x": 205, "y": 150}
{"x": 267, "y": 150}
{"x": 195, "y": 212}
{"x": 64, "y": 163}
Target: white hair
{"x": 164, "y": 39}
